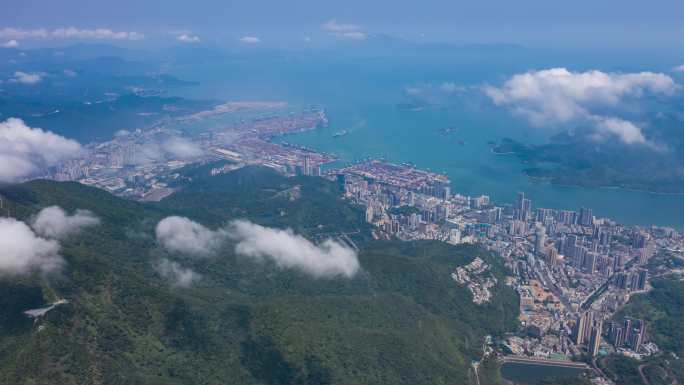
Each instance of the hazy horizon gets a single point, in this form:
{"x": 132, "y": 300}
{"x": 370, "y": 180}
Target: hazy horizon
{"x": 612, "y": 24}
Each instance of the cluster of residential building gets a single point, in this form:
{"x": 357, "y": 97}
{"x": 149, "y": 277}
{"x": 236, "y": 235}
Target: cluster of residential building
{"x": 572, "y": 270}
{"x": 629, "y": 337}
{"x": 587, "y": 331}
{"x": 474, "y": 276}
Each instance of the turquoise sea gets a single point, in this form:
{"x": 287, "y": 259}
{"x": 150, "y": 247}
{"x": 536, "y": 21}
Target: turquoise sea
{"x": 363, "y": 95}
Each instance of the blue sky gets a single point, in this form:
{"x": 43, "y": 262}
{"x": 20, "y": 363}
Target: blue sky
{"x": 608, "y": 23}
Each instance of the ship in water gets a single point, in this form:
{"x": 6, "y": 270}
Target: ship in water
{"x": 340, "y": 133}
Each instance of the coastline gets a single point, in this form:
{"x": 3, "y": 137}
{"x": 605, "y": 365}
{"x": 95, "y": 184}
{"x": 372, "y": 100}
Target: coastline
{"x": 622, "y": 188}
{"x": 551, "y": 179}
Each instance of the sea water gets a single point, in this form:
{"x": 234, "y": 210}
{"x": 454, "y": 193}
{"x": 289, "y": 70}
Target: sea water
{"x": 368, "y": 96}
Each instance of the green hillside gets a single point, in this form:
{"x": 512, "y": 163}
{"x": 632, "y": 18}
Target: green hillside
{"x": 661, "y": 308}
{"x": 401, "y": 320}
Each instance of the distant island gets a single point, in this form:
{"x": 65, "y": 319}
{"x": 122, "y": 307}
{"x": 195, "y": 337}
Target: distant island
{"x": 571, "y": 162}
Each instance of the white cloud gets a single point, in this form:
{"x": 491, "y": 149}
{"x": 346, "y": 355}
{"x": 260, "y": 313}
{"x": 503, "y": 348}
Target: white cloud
{"x": 23, "y": 252}
{"x": 625, "y": 130}
{"x": 288, "y": 250}
{"x": 68, "y": 33}
{"x": 283, "y": 247}
{"x": 188, "y": 38}
{"x": 147, "y": 153}
{"x": 450, "y": 87}
{"x": 559, "y": 96}
{"x": 413, "y": 90}
{"x": 171, "y": 148}
{"x": 177, "y": 274}
{"x": 333, "y": 26}
{"x": 26, "y": 78}
{"x": 349, "y": 31}
{"x": 250, "y": 39}
{"x": 181, "y": 235}
{"x": 54, "y": 222}
{"x": 10, "y": 44}
{"x": 95, "y": 34}
{"x": 181, "y": 148}
{"x": 24, "y": 151}
{"x": 679, "y": 68}
{"x": 20, "y": 34}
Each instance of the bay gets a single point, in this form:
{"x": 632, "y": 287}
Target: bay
{"x": 397, "y": 108}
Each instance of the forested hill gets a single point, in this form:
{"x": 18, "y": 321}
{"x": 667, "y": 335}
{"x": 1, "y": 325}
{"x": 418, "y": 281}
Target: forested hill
{"x": 400, "y": 320}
